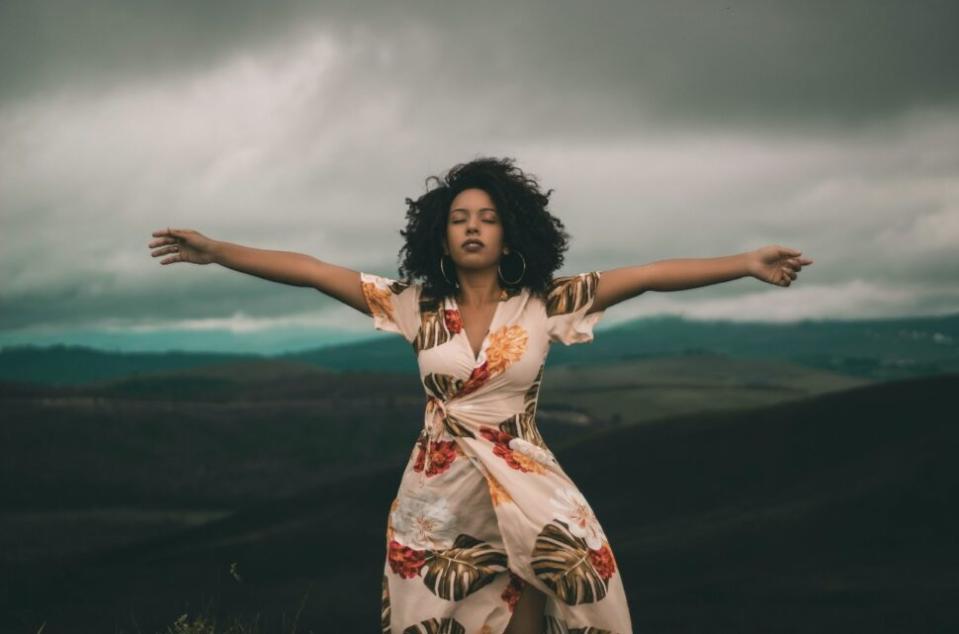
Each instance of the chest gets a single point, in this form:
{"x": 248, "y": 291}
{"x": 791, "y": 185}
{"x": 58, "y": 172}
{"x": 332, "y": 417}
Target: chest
{"x": 503, "y": 351}
{"x": 476, "y": 324}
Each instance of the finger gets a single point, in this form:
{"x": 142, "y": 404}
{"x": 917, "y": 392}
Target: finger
{"x": 164, "y": 251}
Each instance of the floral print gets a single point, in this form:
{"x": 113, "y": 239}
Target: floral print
{"x": 515, "y": 459}
{"x": 442, "y": 454}
{"x": 507, "y": 345}
{"x": 423, "y": 521}
{"x": 498, "y": 495}
{"x": 573, "y": 509}
{"x": 484, "y": 511}
{"x": 532, "y": 452}
{"x": 513, "y": 590}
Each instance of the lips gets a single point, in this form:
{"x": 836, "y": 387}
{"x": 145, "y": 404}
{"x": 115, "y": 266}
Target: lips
{"x": 469, "y": 242}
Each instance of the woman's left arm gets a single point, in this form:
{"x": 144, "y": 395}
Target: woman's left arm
{"x": 773, "y": 264}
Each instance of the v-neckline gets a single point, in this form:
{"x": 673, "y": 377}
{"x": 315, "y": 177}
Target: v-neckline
{"x": 475, "y": 356}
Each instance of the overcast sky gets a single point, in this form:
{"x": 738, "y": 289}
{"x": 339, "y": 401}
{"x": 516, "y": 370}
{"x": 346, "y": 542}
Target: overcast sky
{"x": 667, "y": 129}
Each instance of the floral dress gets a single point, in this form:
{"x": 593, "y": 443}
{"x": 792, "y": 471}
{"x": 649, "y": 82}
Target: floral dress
{"x": 483, "y": 507}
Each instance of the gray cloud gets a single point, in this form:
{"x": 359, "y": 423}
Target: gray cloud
{"x": 667, "y": 130}
{"x": 734, "y": 62}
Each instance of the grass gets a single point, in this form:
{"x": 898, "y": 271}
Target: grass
{"x": 207, "y": 622}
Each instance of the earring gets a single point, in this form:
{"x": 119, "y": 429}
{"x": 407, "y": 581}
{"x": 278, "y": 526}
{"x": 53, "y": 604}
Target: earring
{"x": 443, "y": 271}
{"x": 500, "y": 270}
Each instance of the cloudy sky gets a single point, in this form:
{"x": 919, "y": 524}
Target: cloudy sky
{"x": 667, "y": 129}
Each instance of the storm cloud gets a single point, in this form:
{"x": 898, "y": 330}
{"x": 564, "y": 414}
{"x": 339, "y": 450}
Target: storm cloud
{"x": 667, "y": 129}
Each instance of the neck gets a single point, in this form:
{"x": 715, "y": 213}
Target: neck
{"x": 478, "y": 288}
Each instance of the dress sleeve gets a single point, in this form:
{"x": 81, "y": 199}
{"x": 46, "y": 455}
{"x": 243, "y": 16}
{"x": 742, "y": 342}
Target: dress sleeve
{"x": 393, "y": 304}
{"x": 567, "y": 301}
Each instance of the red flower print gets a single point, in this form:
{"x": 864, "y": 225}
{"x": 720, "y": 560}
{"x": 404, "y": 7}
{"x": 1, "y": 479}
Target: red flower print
{"x": 405, "y": 561}
{"x": 442, "y": 455}
{"x": 454, "y": 322}
{"x": 603, "y": 561}
{"x": 501, "y": 448}
{"x": 513, "y": 590}
{"x": 497, "y": 436}
{"x": 477, "y": 378}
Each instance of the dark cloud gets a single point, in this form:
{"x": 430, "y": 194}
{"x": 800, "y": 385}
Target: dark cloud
{"x": 730, "y": 62}
{"x": 668, "y": 129}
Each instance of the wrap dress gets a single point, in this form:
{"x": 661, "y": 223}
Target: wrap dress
{"x": 483, "y": 507}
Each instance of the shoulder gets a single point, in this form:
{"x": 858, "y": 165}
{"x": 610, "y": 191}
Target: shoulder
{"x": 566, "y": 293}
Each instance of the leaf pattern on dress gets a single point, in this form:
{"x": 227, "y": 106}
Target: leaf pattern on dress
{"x": 569, "y": 293}
{"x": 559, "y": 626}
{"x": 385, "y": 606}
{"x": 434, "y": 329}
{"x": 531, "y": 397}
{"x": 562, "y": 561}
{"x": 459, "y": 571}
{"x": 454, "y": 427}
{"x": 523, "y": 426}
{"x": 437, "y": 626}
{"x": 442, "y": 386}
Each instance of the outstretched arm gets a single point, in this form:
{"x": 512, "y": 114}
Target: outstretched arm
{"x": 285, "y": 267}
{"x": 773, "y": 264}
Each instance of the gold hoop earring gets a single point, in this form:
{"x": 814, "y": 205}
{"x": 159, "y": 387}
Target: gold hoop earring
{"x": 499, "y": 270}
{"x": 443, "y": 271}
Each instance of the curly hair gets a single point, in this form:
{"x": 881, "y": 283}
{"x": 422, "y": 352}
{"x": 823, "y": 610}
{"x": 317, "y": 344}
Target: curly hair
{"x": 528, "y": 227}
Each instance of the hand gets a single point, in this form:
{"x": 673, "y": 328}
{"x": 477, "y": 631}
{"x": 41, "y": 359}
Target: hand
{"x": 775, "y": 264}
{"x": 186, "y": 245}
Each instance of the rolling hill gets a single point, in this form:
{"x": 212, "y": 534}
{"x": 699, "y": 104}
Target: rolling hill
{"x": 830, "y": 513}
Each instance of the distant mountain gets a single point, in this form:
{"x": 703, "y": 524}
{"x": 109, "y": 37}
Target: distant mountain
{"x": 830, "y": 514}
{"x": 877, "y": 349}
{"x": 242, "y": 432}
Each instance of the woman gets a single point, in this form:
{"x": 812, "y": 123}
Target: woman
{"x": 487, "y": 532}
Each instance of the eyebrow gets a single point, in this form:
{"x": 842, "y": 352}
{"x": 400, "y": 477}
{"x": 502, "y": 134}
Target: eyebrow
{"x": 467, "y": 210}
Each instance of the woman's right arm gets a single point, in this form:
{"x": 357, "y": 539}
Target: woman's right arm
{"x": 285, "y": 267}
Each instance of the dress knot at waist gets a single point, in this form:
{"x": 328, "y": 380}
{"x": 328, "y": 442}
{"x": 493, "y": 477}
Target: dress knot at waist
{"x": 433, "y": 430}
{"x": 437, "y": 412}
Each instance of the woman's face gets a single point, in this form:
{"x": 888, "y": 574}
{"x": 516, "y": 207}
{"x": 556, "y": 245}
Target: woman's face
{"x": 474, "y": 216}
